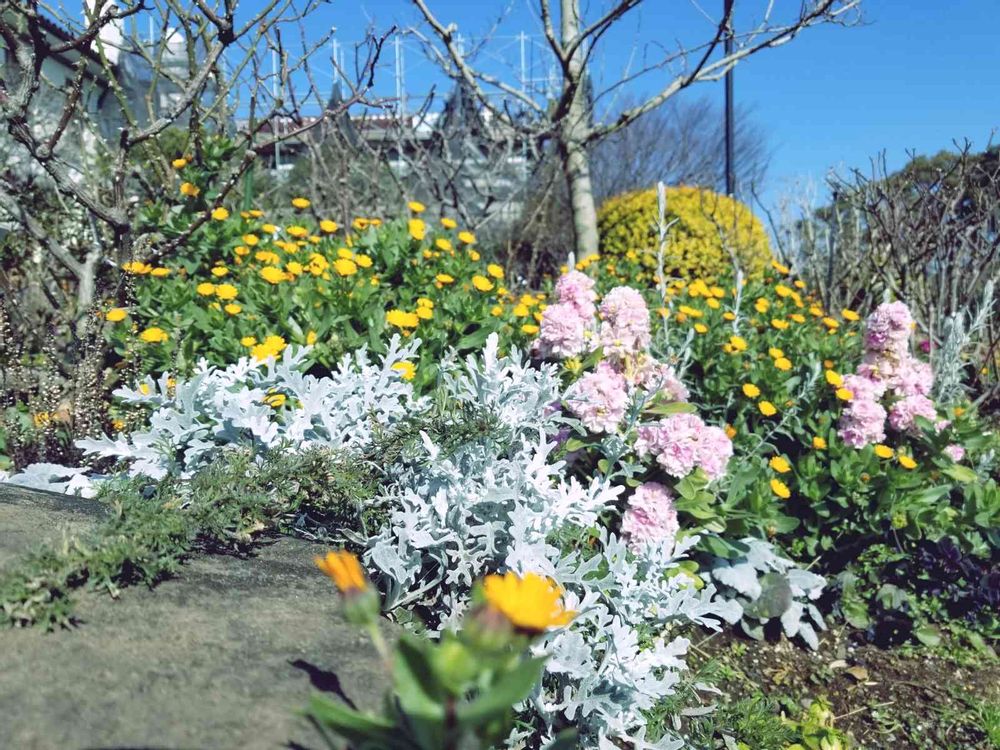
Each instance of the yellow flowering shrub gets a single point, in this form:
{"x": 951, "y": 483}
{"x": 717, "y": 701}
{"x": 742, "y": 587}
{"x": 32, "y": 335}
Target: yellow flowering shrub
{"x": 705, "y": 224}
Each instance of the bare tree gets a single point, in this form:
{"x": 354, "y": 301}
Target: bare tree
{"x": 569, "y": 119}
{"x": 678, "y": 143}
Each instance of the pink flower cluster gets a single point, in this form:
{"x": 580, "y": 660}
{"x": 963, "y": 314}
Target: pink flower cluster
{"x": 599, "y": 398}
{"x": 567, "y": 324}
{"x": 887, "y": 370}
{"x": 650, "y": 518}
{"x": 681, "y": 443}
{"x": 624, "y": 323}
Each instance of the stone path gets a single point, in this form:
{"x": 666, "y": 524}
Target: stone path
{"x": 220, "y": 657}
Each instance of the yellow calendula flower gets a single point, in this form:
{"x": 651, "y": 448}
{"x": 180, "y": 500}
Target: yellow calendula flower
{"x": 443, "y": 278}
{"x": 301, "y": 202}
{"x": 250, "y": 239}
{"x": 849, "y": 315}
{"x": 831, "y": 323}
{"x": 496, "y": 311}
{"x": 780, "y": 324}
{"x": 482, "y": 283}
{"x": 738, "y": 343}
{"x": 311, "y": 338}
{"x": 467, "y": 238}
{"x": 241, "y": 250}
{"x": 416, "y": 206}
{"x": 328, "y": 226}
{"x": 424, "y": 313}
{"x": 844, "y": 394}
{"x": 530, "y": 328}
{"x": 780, "y": 464}
{"x": 700, "y": 328}
{"x": 179, "y": 163}
{"x": 767, "y": 408}
{"x": 417, "y": 229}
{"x": 531, "y": 603}
{"x": 713, "y": 303}
{"x": 780, "y": 268}
{"x": 220, "y": 213}
{"x": 160, "y": 272}
{"x": 775, "y": 353}
{"x": 819, "y": 443}
{"x": 296, "y": 231}
{"x": 730, "y": 431}
{"x": 762, "y": 305}
{"x": 884, "y": 451}
{"x": 154, "y": 335}
{"x": 494, "y": 270}
{"x": 906, "y": 461}
{"x": 344, "y": 570}
{"x": 136, "y": 267}
{"x": 266, "y": 256}
{"x": 797, "y": 317}
{"x": 248, "y": 341}
{"x": 226, "y": 291}
{"x": 424, "y": 302}
{"x": 364, "y": 261}
{"x": 189, "y": 189}
{"x": 474, "y": 256}
{"x": 442, "y": 244}
{"x": 344, "y": 253}
{"x": 780, "y": 489}
{"x": 345, "y": 267}
{"x": 116, "y": 314}
{"x": 271, "y": 346}
{"x": 406, "y": 370}
{"x": 219, "y": 271}
{"x": 834, "y": 378}
{"x": 205, "y": 289}
{"x": 273, "y": 275}
{"x": 275, "y": 400}
{"x": 448, "y": 223}
{"x": 727, "y": 315}
{"x": 294, "y": 268}
{"x": 233, "y": 309}
{"x": 402, "y": 319}
{"x": 783, "y": 363}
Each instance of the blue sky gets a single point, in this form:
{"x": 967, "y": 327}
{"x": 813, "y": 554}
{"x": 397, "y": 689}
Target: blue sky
{"x": 916, "y": 75}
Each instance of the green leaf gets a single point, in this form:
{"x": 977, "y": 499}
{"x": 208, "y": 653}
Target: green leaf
{"x": 565, "y": 740}
{"x": 511, "y": 689}
{"x": 929, "y": 635}
{"x": 960, "y": 473}
{"x": 672, "y": 407}
{"x": 359, "y": 729}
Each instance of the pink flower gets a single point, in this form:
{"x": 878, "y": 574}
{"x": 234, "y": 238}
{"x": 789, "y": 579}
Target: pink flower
{"x": 889, "y": 327}
{"x": 903, "y": 414}
{"x": 682, "y": 442}
{"x": 563, "y": 332}
{"x": 913, "y": 378}
{"x": 650, "y": 518}
{"x": 625, "y": 322}
{"x": 862, "y": 422}
{"x": 577, "y": 289}
{"x": 954, "y": 451}
{"x": 658, "y": 377}
{"x": 599, "y": 399}
{"x": 864, "y": 388}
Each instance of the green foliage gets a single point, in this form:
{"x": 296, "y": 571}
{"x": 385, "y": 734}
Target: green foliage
{"x": 706, "y": 228}
{"x": 153, "y": 526}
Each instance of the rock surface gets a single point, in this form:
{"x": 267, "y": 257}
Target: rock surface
{"x": 220, "y": 657}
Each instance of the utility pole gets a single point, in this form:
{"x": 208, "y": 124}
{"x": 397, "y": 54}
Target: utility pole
{"x": 397, "y": 44}
{"x": 730, "y": 174}
{"x": 276, "y": 122}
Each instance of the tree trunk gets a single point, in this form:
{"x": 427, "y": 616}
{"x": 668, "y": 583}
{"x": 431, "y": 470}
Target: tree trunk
{"x": 572, "y": 135}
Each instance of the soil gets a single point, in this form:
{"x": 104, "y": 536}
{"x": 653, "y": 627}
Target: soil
{"x": 902, "y": 698}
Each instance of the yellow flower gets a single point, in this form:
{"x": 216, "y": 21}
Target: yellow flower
{"x": 474, "y": 256}
{"x": 700, "y": 328}
{"x": 713, "y": 303}
{"x": 137, "y": 267}
{"x": 241, "y": 250}
{"x": 402, "y": 319}
{"x": 294, "y": 268}
{"x": 219, "y": 271}
{"x": 729, "y": 315}
{"x": 360, "y": 223}
{"x": 834, "y": 378}
{"x": 443, "y": 278}
{"x": 730, "y": 431}
{"x": 250, "y": 239}
{"x": 189, "y": 189}
{"x": 782, "y": 269}
{"x": 783, "y": 363}
{"x": 116, "y": 314}
{"x": 344, "y": 570}
{"x": 780, "y": 464}
{"x": 179, "y": 163}
{"x": 154, "y": 335}
{"x": 344, "y": 253}
{"x": 272, "y": 346}
{"x": 780, "y": 324}
{"x": 417, "y": 229}
{"x": 417, "y": 207}
{"x": 482, "y": 283}
{"x": 849, "y": 314}
{"x": 275, "y": 400}
{"x": 363, "y": 260}
{"x": 448, "y": 223}
{"x": 844, "y": 394}
{"x": 345, "y": 267}
{"x": 494, "y": 270}
{"x": 797, "y": 317}
{"x": 762, "y": 305}
{"x": 530, "y": 328}
{"x": 296, "y": 231}
{"x": 738, "y": 343}
{"x": 248, "y": 341}
{"x": 424, "y": 313}
{"x": 831, "y": 323}
{"x": 424, "y": 302}
{"x": 205, "y": 289}
{"x": 783, "y": 291}
{"x": 406, "y": 370}
{"x": 531, "y": 603}
{"x": 266, "y": 256}
{"x": 328, "y": 226}
{"x": 160, "y": 272}
{"x": 311, "y": 338}
{"x": 780, "y": 489}
{"x": 958, "y": 411}
{"x": 267, "y": 229}
{"x": 496, "y": 311}
{"x": 750, "y": 390}
{"x": 226, "y": 291}
{"x": 233, "y": 309}
{"x": 220, "y": 213}
{"x": 301, "y": 202}
{"x": 906, "y": 461}
{"x": 819, "y": 443}
{"x": 884, "y": 451}
{"x": 767, "y": 408}
{"x": 467, "y": 238}
{"x": 775, "y": 353}
{"x": 442, "y": 244}
{"x": 273, "y": 275}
